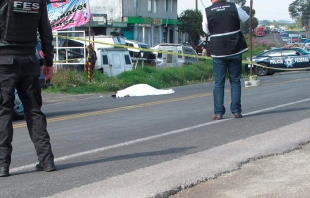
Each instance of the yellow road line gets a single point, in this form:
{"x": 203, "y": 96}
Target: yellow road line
{"x": 100, "y": 112}
{"x": 69, "y": 117}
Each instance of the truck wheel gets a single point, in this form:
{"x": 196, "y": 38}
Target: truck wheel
{"x": 18, "y": 113}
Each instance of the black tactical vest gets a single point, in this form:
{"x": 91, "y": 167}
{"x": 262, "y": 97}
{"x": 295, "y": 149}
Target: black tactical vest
{"x": 223, "y": 17}
{"x": 224, "y": 26}
{"x": 21, "y": 22}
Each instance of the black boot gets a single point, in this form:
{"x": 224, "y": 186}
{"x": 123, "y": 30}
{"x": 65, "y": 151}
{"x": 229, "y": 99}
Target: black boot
{"x": 47, "y": 167}
{"x": 4, "y": 171}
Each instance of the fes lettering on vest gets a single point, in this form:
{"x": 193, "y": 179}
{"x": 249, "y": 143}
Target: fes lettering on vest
{"x": 26, "y": 7}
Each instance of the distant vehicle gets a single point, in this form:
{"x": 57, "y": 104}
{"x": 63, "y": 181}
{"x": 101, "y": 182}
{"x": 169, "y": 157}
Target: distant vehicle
{"x": 280, "y": 58}
{"x": 285, "y": 39}
{"x": 307, "y": 47}
{"x": 280, "y": 33}
{"x": 303, "y": 30}
{"x": 259, "y": 30}
{"x": 307, "y": 41}
{"x": 284, "y": 34}
{"x": 274, "y": 30}
{"x": 294, "y": 39}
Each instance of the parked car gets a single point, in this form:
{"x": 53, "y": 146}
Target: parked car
{"x": 137, "y": 50}
{"x": 174, "y": 55}
{"x": 205, "y": 44}
{"x": 307, "y": 47}
{"x": 279, "y": 58}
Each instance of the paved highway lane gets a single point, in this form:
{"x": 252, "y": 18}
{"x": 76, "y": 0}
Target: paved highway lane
{"x": 99, "y": 138}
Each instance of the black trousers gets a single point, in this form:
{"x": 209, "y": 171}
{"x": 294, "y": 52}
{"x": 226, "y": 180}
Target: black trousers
{"x": 22, "y": 72}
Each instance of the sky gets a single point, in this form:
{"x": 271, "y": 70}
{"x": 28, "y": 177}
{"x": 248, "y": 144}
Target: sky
{"x": 264, "y": 9}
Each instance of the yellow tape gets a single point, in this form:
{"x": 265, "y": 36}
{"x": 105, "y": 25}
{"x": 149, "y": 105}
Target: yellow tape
{"x": 129, "y": 47}
{"x": 174, "y": 53}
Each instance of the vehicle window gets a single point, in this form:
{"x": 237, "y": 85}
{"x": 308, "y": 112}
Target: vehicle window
{"x": 105, "y": 60}
{"x": 118, "y": 40}
{"x": 160, "y": 55}
{"x": 127, "y": 60}
{"x": 273, "y": 53}
{"x": 302, "y": 51}
{"x": 143, "y": 46}
{"x": 289, "y": 52}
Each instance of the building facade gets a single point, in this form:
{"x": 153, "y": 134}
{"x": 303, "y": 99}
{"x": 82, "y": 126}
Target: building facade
{"x": 148, "y": 21}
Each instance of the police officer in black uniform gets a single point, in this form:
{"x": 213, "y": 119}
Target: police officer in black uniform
{"x": 20, "y": 20}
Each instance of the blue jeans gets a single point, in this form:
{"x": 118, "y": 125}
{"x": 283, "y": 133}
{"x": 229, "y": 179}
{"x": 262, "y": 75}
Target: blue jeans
{"x": 232, "y": 65}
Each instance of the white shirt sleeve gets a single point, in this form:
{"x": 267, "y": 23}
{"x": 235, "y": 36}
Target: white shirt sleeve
{"x": 205, "y": 23}
{"x": 243, "y": 16}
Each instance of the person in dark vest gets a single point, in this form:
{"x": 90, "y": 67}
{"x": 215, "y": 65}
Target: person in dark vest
{"x": 20, "y": 69}
{"x": 221, "y": 21}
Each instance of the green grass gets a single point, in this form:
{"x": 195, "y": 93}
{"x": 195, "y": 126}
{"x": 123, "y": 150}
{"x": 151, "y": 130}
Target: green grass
{"x": 76, "y": 82}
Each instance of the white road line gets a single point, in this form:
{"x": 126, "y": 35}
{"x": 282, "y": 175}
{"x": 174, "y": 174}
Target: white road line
{"x": 31, "y": 166}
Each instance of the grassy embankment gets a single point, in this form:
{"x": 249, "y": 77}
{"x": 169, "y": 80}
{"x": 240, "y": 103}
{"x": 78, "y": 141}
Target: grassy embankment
{"x": 76, "y": 82}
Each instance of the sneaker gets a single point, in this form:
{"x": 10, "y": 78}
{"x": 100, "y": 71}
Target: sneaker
{"x": 238, "y": 115}
{"x": 217, "y": 117}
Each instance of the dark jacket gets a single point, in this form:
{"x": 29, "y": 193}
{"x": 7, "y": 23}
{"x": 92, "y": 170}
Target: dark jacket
{"x": 224, "y": 25}
{"x": 19, "y": 28}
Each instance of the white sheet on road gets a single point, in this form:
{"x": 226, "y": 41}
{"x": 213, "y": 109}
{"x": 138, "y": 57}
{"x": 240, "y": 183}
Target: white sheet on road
{"x": 142, "y": 90}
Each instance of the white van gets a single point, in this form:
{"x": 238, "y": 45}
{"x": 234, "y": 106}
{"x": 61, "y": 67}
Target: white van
{"x": 114, "y": 61}
{"x": 171, "y": 55}
{"x": 110, "y": 59}
{"x": 113, "y": 40}
{"x": 137, "y": 52}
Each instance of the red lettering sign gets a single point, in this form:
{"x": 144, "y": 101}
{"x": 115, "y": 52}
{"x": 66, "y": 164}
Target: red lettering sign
{"x": 56, "y": 5}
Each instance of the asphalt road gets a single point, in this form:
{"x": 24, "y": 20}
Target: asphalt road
{"x": 276, "y": 39}
{"x": 127, "y": 147}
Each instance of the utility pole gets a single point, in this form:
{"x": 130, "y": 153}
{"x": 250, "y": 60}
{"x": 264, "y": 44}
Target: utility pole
{"x": 196, "y": 5}
{"x": 251, "y": 6}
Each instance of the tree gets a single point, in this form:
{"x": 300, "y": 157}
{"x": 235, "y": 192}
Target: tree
{"x": 275, "y": 24}
{"x": 266, "y": 22}
{"x": 246, "y": 26}
{"x": 190, "y": 21}
{"x": 300, "y": 9}
{"x": 239, "y": 2}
